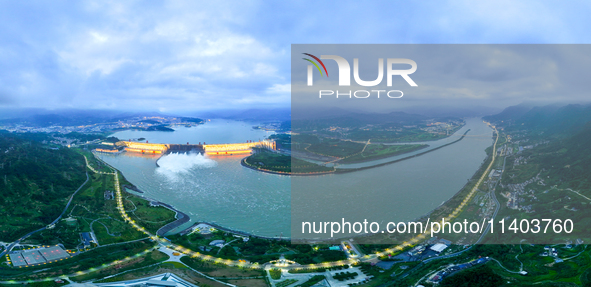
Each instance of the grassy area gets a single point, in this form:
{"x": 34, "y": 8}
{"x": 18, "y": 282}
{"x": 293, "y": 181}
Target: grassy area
{"x": 403, "y": 135}
{"x": 174, "y": 264}
{"x": 139, "y": 262}
{"x": 92, "y": 161}
{"x": 183, "y": 272}
{"x": 307, "y": 270}
{"x": 275, "y": 273}
{"x": 256, "y": 249}
{"x": 220, "y": 270}
{"x": 336, "y": 148}
{"x": 341, "y": 276}
{"x": 378, "y": 151}
{"x": 150, "y": 217}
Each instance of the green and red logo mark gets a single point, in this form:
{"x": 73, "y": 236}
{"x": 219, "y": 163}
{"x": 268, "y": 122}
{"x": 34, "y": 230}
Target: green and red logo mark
{"x": 319, "y": 61}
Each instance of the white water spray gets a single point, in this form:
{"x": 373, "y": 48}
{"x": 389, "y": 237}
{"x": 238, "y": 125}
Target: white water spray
{"x": 174, "y": 164}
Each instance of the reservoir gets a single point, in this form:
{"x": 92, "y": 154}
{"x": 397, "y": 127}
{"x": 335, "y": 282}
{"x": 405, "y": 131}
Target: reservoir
{"x": 218, "y": 189}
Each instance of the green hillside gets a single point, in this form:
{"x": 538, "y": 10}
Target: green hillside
{"x": 570, "y": 160}
{"x": 546, "y": 121}
{"x": 35, "y": 182}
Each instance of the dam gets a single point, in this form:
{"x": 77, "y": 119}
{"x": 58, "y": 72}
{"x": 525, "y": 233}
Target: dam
{"x": 213, "y": 149}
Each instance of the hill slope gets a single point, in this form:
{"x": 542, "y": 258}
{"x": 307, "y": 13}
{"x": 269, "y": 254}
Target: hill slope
{"x": 35, "y": 183}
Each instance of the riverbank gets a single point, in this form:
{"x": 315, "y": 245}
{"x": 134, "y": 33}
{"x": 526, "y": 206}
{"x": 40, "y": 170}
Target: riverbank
{"x": 181, "y": 218}
{"x": 229, "y": 230}
{"x": 245, "y": 164}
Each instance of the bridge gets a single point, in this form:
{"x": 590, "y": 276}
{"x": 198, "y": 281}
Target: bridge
{"x": 213, "y": 149}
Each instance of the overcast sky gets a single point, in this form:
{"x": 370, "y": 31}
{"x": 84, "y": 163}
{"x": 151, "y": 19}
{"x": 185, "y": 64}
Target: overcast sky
{"x": 481, "y": 78}
{"x": 198, "y": 55}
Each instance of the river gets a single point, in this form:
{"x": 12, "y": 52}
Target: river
{"x": 220, "y": 190}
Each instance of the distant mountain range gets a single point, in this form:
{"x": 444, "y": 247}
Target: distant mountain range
{"x": 567, "y": 154}
{"x": 69, "y": 117}
{"x": 554, "y": 120}
{"x": 72, "y": 117}
{"x": 257, "y": 115}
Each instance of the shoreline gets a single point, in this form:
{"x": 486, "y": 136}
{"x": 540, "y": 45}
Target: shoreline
{"x": 244, "y": 164}
{"x": 181, "y": 217}
{"x": 229, "y": 230}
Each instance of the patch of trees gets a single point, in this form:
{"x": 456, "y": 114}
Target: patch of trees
{"x": 482, "y": 276}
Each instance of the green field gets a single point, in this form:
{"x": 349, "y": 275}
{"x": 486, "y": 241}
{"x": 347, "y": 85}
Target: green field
{"x": 275, "y": 273}
{"x": 282, "y": 163}
{"x": 336, "y": 148}
{"x": 378, "y": 151}
{"x": 385, "y": 136}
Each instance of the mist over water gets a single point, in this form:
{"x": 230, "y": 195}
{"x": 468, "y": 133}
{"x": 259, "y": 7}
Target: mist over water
{"x": 175, "y": 163}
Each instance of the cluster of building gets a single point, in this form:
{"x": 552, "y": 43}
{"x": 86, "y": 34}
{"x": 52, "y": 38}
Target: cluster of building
{"x": 517, "y": 193}
{"x": 505, "y": 150}
{"x": 442, "y": 127}
{"x": 519, "y": 160}
{"x": 430, "y": 248}
{"x": 88, "y": 239}
{"x": 268, "y": 127}
{"x": 129, "y": 123}
{"x": 37, "y": 256}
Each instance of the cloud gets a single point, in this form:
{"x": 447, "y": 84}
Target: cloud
{"x": 279, "y": 89}
{"x": 142, "y": 55}
{"x": 494, "y": 76}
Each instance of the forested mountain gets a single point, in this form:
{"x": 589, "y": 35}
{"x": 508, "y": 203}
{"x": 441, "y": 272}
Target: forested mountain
{"x": 565, "y": 132}
{"x": 570, "y": 159}
{"x": 35, "y": 182}
{"x": 553, "y": 120}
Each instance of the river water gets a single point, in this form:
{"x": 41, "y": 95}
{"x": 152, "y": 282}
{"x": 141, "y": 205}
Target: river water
{"x": 220, "y": 190}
